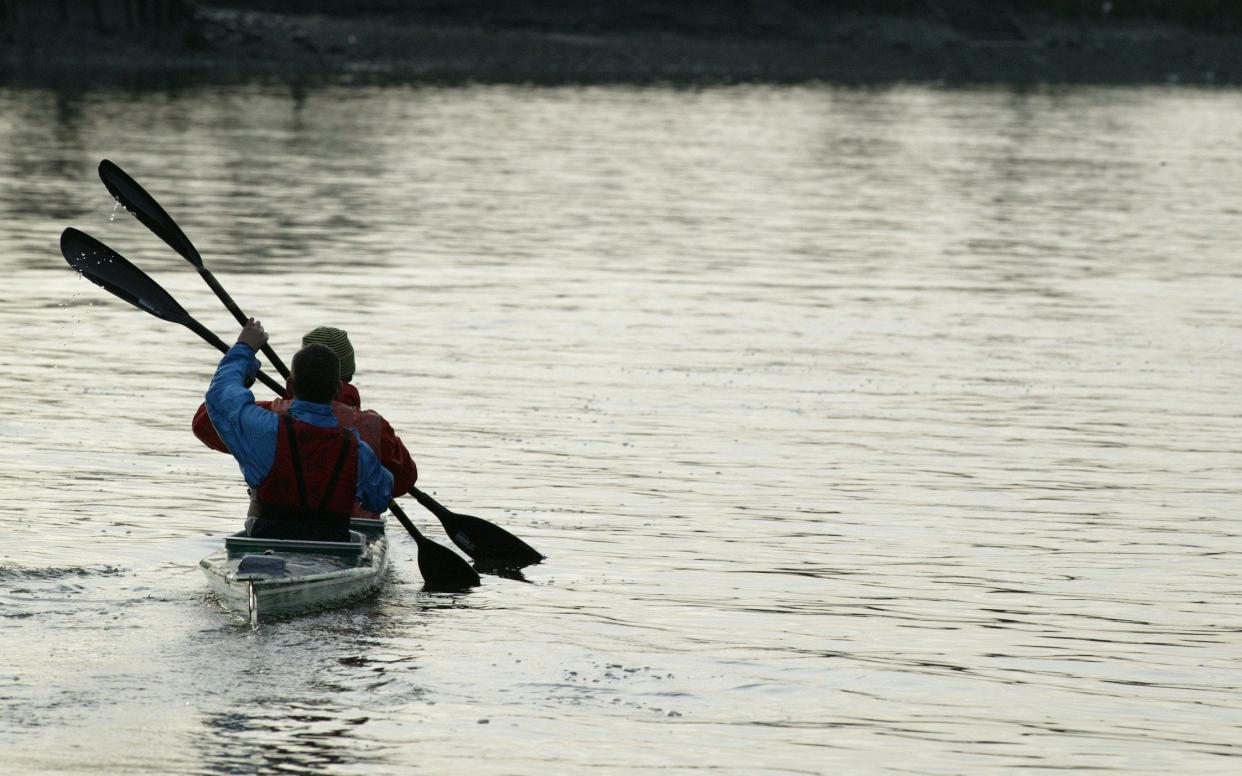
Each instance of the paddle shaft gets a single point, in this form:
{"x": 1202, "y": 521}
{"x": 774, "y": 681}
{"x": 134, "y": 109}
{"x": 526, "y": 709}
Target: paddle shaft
{"x": 223, "y": 296}
{"x": 404, "y": 519}
{"x": 433, "y": 506}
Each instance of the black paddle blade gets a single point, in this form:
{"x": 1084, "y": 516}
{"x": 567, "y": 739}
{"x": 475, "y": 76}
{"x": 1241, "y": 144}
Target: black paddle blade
{"x": 486, "y": 543}
{"x": 443, "y": 570}
{"x": 112, "y": 272}
{"x": 144, "y": 207}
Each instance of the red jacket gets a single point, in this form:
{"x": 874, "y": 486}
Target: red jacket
{"x": 371, "y": 426}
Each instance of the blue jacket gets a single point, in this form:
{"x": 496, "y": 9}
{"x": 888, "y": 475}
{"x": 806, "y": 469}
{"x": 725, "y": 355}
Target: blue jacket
{"x": 250, "y": 431}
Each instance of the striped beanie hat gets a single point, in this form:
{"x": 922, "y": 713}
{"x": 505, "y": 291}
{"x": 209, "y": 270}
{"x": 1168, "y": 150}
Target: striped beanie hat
{"x": 338, "y": 342}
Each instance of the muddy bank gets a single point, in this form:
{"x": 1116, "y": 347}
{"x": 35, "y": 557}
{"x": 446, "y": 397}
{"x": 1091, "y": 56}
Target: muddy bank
{"x": 539, "y": 42}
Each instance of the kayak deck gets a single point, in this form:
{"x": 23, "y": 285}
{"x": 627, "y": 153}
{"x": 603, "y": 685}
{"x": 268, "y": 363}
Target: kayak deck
{"x": 272, "y": 578}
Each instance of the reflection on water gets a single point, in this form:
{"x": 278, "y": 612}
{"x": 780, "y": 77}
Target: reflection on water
{"x": 305, "y": 720}
{"x": 879, "y": 430}
{"x": 253, "y": 742}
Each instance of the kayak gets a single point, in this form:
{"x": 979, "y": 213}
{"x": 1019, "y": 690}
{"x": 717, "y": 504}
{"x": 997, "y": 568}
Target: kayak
{"x": 273, "y": 578}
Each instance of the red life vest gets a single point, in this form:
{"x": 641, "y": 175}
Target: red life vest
{"x": 368, "y": 424}
{"x": 314, "y": 476}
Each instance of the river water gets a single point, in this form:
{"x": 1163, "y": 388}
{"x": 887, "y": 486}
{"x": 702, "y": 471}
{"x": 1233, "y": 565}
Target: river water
{"x": 874, "y": 431}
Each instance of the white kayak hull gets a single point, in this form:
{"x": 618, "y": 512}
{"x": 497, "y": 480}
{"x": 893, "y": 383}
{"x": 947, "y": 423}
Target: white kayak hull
{"x": 262, "y": 579}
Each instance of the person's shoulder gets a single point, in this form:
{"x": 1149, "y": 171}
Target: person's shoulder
{"x": 376, "y": 416}
{"x": 348, "y": 394}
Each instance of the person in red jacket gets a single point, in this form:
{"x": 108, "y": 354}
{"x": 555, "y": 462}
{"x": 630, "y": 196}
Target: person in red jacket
{"x": 347, "y": 407}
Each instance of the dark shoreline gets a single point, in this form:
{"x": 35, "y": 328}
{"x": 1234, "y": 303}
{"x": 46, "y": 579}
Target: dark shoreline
{"x": 229, "y": 44}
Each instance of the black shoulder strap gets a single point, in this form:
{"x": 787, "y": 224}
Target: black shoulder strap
{"x": 346, "y": 442}
{"x": 287, "y": 422}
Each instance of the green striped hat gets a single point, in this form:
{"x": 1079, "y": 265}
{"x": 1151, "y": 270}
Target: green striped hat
{"x": 338, "y": 342}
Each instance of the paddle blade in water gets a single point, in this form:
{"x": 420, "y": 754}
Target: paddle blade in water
{"x": 442, "y": 569}
{"x": 487, "y": 544}
{"x": 111, "y": 271}
{"x": 144, "y": 207}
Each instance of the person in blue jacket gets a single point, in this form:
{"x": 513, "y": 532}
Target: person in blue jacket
{"x": 305, "y": 471}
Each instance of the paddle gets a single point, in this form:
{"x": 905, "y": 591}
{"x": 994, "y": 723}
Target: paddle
{"x": 144, "y": 207}
{"x": 489, "y": 545}
{"x": 486, "y": 543}
{"x": 442, "y": 569}
{"x": 111, "y": 271}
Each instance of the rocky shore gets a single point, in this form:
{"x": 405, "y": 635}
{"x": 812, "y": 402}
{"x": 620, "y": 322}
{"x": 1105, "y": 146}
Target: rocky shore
{"x": 543, "y": 42}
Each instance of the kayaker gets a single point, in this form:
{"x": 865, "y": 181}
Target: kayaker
{"x": 305, "y": 471}
{"x": 347, "y": 407}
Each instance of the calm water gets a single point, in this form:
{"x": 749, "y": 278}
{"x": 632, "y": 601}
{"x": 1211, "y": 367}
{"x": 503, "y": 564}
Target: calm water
{"x": 889, "y": 431}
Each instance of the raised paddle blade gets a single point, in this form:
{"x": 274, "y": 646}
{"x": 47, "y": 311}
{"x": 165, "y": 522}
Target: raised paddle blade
{"x": 144, "y": 207}
{"x": 111, "y": 271}
{"x": 489, "y": 545}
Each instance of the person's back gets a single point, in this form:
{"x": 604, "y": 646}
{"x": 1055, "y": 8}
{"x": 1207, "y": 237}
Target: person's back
{"x": 377, "y": 434}
{"x": 305, "y": 470}
{"x": 309, "y": 491}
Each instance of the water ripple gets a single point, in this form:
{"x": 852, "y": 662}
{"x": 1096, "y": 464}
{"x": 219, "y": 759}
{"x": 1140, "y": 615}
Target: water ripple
{"x": 883, "y": 431}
